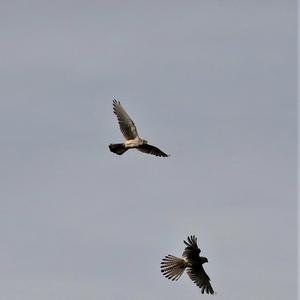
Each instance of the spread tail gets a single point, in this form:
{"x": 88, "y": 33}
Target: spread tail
{"x": 172, "y": 267}
{"x": 118, "y": 148}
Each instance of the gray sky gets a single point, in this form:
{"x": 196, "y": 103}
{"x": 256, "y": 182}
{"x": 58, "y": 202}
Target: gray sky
{"x": 213, "y": 83}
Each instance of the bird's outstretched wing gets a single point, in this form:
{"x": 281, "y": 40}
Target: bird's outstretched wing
{"x": 172, "y": 267}
{"x": 126, "y": 124}
{"x": 191, "y": 251}
{"x": 200, "y": 278}
{"x": 146, "y": 148}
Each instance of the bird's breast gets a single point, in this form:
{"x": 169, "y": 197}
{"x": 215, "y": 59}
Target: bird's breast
{"x": 133, "y": 143}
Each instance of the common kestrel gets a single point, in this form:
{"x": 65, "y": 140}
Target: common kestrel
{"x": 172, "y": 267}
{"x": 131, "y": 135}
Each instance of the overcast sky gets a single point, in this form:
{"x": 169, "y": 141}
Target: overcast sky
{"x": 211, "y": 82}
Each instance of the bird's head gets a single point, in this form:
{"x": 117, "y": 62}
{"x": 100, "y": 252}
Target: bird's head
{"x": 145, "y": 142}
{"x": 204, "y": 259}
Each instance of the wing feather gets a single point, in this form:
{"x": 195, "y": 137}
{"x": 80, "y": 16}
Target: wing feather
{"x": 191, "y": 251}
{"x": 200, "y": 278}
{"x": 146, "y": 148}
{"x": 126, "y": 124}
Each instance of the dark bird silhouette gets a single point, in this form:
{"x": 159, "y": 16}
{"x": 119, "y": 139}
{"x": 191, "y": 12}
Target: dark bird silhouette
{"x": 172, "y": 267}
{"x": 132, "y": 139}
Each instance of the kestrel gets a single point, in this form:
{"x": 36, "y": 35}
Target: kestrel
{"x": 131, "y": 135}
{"x": 172, "y": 267}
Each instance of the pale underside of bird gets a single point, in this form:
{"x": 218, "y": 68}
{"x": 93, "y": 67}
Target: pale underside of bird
{"x": 173, "y": 267}
{"x": 129, "y": 131}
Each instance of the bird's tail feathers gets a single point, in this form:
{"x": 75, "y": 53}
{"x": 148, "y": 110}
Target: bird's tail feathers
{"x": 118, "y": 148}
{"x": 172, "y": 267}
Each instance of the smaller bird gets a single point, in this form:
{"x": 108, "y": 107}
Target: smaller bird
{"x": 172, "y": 267}
{"x": 130, "y": 133}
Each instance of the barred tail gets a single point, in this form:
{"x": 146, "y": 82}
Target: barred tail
{"x": 118, "y": 148}
{"x": 172, "y": 267}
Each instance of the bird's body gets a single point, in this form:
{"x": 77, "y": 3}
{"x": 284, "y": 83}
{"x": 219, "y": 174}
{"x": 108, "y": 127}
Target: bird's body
{"x": 129, "y": 131}
{"x": 173, "y": 267}
{"x": 134, "y": 143}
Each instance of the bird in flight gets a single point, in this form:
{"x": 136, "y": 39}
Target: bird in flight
{"x": 172, "y": 267}
{"x": 132, "y": 139}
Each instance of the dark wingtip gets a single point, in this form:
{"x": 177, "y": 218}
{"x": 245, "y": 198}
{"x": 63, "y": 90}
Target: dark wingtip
{"x": 115, "y": 102}
{"x": 164, "y": 154}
